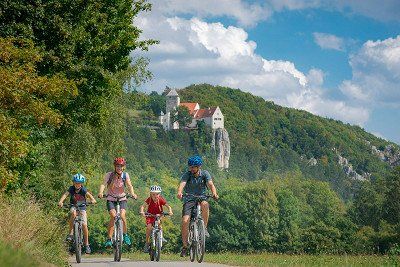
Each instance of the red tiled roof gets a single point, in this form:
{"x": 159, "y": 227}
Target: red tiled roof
{"x": 190, "y": 106}
{"x": 205, "y": 113}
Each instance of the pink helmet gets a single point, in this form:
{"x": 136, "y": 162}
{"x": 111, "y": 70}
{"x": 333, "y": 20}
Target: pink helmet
{"x": 119, "y": 161}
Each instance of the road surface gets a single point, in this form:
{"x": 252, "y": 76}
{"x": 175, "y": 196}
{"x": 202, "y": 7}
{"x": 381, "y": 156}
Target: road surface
{"x": 109, "y": 262}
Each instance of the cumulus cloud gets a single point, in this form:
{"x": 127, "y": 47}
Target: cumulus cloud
{"x": 376, "y": 73}
{"x": 194, "y": 51}
{"x": 328, "y": 41}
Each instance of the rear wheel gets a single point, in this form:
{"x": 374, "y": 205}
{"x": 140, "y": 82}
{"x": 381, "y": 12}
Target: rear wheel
{"x": 201, "y": 244}
{"x": 78, "y": 242}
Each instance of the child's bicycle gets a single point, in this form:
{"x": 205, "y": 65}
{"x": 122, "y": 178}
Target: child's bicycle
{"x": 117, "y": 237}
{"x": 156, "y": 236}
{"x": 196, "y": 237}
{"x": 77, "y": 242}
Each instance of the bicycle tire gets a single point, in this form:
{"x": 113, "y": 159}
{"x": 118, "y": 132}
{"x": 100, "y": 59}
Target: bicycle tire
{"x": 201, "y": 244}
{"x": 152, "y": 246}
{"x": 78, "y": 242}
{"x": 117, "y": 240}
{"x": 192, "y": 242}
{"x": 158, "y": 240}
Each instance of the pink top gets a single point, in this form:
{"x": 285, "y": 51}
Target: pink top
{"x": 116, "y": 186}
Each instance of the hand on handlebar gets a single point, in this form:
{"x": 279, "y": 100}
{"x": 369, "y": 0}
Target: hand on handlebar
{"x": 60, "y": 204}
{"x": 215, "y": 196}
{"x": 180, "y": 195}
{"x": 100, "y": 195}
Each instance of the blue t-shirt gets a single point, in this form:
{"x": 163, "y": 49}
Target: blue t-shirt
{"x": 77, "y": 196}
{"x": 195, "y": 185}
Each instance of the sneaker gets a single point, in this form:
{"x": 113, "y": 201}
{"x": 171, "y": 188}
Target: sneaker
{"x": 87, "y": 249}
{"x": 146, "y": 248}
{"x": 206, "y": 234}
{"x": 69, "y": 238}
{"x": 127, "y": 240}
{"x": 183, "y": 252}
{"x": 108, "y": 243}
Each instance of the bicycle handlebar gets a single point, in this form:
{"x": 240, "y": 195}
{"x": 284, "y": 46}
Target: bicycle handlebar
{"x": 156, "y": 215}
{"x": 119, "y": 198}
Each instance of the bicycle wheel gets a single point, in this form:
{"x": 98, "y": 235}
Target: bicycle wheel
{"x": 78, "y": 242}
{"x": 117, "y": 240}
{"x": 201, "y": 244}
{"x": 157, "y": 252}
{"x": 192, "y": 243}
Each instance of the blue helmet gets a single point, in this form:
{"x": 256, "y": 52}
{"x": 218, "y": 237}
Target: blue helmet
{"x": 195, "y": 161}
{"x": 78, "y": 178}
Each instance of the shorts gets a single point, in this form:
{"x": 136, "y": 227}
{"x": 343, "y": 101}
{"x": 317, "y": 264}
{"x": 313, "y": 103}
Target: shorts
{"x": 150, "y": 220}
{"x": 189, "y": 208}
{"x": 83, "y": 214}
{"x": 111, "y": 205}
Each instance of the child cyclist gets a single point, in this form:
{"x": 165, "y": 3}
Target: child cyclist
{"x": 154, "y": 205}
{"x": 115, "y": 182}
{"x": 78, "y": 194}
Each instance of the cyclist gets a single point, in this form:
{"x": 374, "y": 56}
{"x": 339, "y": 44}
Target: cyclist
{"x": 195, "y": 182}
{"x": 116, "y": 181}
{"x": 78, "y": 194}
{"x": 154, "y": 205}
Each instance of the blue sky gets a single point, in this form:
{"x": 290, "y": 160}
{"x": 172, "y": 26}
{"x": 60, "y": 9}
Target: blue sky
{"x": 337, "y": 59}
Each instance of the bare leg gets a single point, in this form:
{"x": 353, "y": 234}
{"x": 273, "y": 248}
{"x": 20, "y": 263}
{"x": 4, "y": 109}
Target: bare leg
{"x": 110, "y": 228}
{"x": 205, "y": 212}
{"x": 123, "y": 217}
{"x": 71, "y": 222}
{"x": 85, "y": 234}
{"x": 185, "y": 230}
{"x": 148, "y": 232}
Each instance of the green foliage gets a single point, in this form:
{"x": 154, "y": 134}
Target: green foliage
{"x": 182, "y": 116}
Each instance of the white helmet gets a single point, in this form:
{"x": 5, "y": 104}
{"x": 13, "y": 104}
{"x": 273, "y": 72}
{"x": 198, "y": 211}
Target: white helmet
{"x": 155, "y": 189}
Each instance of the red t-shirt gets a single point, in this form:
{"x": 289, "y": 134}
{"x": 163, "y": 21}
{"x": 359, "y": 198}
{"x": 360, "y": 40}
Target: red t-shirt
{"x": 155, "y": 207}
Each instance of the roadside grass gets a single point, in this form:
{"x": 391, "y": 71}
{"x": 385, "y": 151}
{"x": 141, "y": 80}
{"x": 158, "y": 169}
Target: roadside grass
{"x": 270, "y": 259}
{"x": 27, "y": 229}
{"x": 12, "y": 257}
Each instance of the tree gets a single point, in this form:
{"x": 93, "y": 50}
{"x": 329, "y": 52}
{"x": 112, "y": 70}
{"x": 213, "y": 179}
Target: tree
{"x": 182, "y": 116}
{"x": 28, "y": 102}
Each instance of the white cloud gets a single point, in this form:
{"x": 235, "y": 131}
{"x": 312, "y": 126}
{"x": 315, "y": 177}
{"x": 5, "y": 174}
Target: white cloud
{"x": 328, "y": 41}
{"x": 194, "y": 51}
{"x": 376, "y": 73}
{"x": 244, "y": 13}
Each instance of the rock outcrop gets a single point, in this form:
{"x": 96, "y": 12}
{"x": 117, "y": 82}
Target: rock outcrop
{"x": 222, "y": 147}
{"x": 348, "y": 169}
{"x": 389, "y": 155}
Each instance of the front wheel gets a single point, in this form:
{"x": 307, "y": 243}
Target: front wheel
{"x": 192, "y": 243}
{"x": 78, "y": 242}
{"x": 158, "y": 246}
{"x": 201, "y": 244}
{"x": 117, "y": 240}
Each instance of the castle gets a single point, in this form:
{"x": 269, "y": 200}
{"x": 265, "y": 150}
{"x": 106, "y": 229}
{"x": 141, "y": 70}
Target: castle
{"x": 211, "y": 116}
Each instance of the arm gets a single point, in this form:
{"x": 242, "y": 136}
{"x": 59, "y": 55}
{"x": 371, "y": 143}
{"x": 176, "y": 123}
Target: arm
{"x": 130, "y": 188}
{"x": 170, "y": 209}
{"x": 144, "y": 206}
{"x": 90, "y": 196}
{"x": 63, "y": 197}
{"x": 180, "y": 189}
{"x": 103, "y": 186}
{"x": 213, "y": 189}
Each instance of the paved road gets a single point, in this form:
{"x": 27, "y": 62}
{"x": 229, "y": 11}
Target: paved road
{"x": 109, "y": 262}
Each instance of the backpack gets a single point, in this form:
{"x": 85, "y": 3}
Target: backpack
{"x": 123, "y": 176}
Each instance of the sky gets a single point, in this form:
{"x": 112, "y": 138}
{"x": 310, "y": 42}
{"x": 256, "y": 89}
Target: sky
{"x": 336, "y": 59}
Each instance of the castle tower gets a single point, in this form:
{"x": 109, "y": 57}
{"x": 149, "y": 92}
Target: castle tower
{"x": 173, "y": 101}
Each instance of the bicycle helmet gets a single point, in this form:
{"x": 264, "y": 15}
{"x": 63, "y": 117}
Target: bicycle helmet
{"x": 155, "y": 189}
{"x": 119, "y": 161}
{"x": 78, "y": 178}
{"x": 195, "y": 161}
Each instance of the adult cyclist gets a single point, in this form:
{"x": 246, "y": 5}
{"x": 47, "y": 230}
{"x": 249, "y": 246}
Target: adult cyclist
{"x": 116, "y": 181}
{"x": 194, "y": 182}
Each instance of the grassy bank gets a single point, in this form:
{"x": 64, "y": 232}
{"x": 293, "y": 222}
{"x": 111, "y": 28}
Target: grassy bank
{"x": 28, "y": 232}
{"x": 268, "y": 259}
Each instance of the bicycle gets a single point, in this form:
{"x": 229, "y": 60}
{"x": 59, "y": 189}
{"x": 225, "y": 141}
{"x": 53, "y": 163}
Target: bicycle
{"x": 77, "y": 231}
{"x": 117, "y": 237}
{"x": 196, "y": 237}
{"x": 156, "y": 236}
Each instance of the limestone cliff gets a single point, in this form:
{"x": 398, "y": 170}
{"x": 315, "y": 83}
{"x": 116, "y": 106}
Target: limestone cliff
{"x": 222, "y": 147}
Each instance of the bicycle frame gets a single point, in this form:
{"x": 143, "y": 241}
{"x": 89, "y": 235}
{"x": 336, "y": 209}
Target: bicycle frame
{"x": 156, "y": 236}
